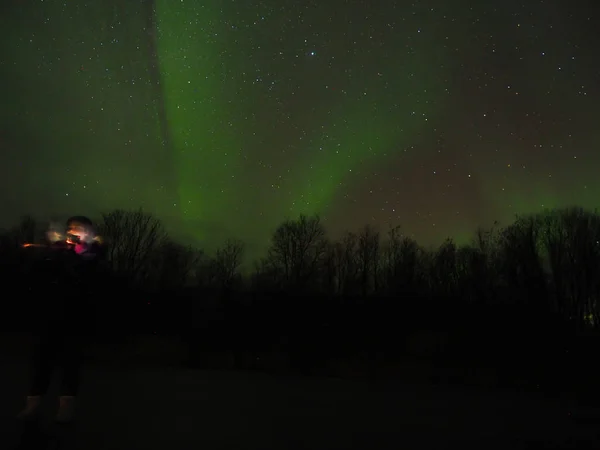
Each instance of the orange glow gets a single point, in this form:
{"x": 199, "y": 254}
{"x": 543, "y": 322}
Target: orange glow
{"x": 57, "y": 237}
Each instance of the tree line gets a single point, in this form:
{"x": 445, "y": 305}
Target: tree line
{"x": 548, "y": 261}
{"x": 523, "y": 296}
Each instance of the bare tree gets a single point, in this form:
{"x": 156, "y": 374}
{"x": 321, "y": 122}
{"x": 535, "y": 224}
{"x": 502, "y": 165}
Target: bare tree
{"x": 443, "y": 269}
{"x": 476, "y": 264}
{"x": 401, "y": 256}
{"x": 522, "y": 266}
{"x": 132, "y": 237}
{"x": 368, "y": 258}
{"x": 330, "y": 270}
{"x": 224, "y": 267}
{"x": 554, "y": 239}
{"x": 393, "y": 255}
{"x": 571, "y": 240}
{"x": 486, "y": 241}
{"x": 296, "y": 250}
{"x": 468, "y": 260}
{"x": 173, "y": 265}
{"x": 345, "y": 252}
{"x": 265, "y": 276}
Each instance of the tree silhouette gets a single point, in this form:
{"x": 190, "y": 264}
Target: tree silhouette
{"x": 172, "y": 265}
{"x": 571, "y": 241}
{"x": 402, "y": 260}
{"x": 474, "y": 275}
{"x": 516, "y": 292}
{"x": 345, "y": 252}
{"x": 522, "y": 266}
{"x": 547, "y": 262}
{"x": 329, "y": 269}
{"x": 368, "y": 259}
{"x": 224, "y": 266}
{"x": 484, "y": 259}
{"x": 296, "y": 251}
{"x": 444, "y": 280}
{"x": 132, "y": 238}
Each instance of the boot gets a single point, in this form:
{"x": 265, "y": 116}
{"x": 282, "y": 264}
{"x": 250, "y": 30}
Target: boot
{"x": 66, "y": 409}
{"x": 32, "y": 408}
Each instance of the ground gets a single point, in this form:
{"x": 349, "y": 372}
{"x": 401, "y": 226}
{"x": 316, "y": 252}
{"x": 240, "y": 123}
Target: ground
{"x": 175, "y": 408}
{"x": 180, "y": 409}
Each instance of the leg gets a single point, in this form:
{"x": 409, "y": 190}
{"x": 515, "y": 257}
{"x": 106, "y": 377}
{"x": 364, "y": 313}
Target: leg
{"x": 44, "y": 361}
{"x": 71, "y": 361}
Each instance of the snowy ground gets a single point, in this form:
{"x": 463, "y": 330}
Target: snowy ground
{"x": 181, "y": 409}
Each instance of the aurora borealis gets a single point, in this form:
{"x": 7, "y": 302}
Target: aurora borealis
{"x": 224, "y": 117}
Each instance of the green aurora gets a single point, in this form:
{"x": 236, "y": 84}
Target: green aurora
{"x": 224, "y": 119}
{"x": 193, "y": 58}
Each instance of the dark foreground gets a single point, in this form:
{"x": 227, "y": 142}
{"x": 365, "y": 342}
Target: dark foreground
{"x": 184, "y": 409}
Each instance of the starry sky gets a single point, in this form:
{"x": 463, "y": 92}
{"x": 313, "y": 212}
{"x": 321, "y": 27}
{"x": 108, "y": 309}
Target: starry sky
{"x": 225, "y": 117}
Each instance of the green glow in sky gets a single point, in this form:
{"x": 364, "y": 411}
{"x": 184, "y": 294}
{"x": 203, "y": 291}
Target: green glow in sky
{"x": 356, "y": 129}
{"x": 226, "y": 117}
{"x": 79, "y": 109}
{"x": 203, "y": 144}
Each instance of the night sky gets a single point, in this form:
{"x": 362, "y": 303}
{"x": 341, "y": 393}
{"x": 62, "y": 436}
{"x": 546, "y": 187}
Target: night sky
{"x": 224, "y": 117}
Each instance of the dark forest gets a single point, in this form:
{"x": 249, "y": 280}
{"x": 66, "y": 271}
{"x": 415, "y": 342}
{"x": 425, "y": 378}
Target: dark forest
{"x": 517, "y": 307}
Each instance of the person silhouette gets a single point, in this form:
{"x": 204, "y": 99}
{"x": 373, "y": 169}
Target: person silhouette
{"x": 65, "y": 275}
